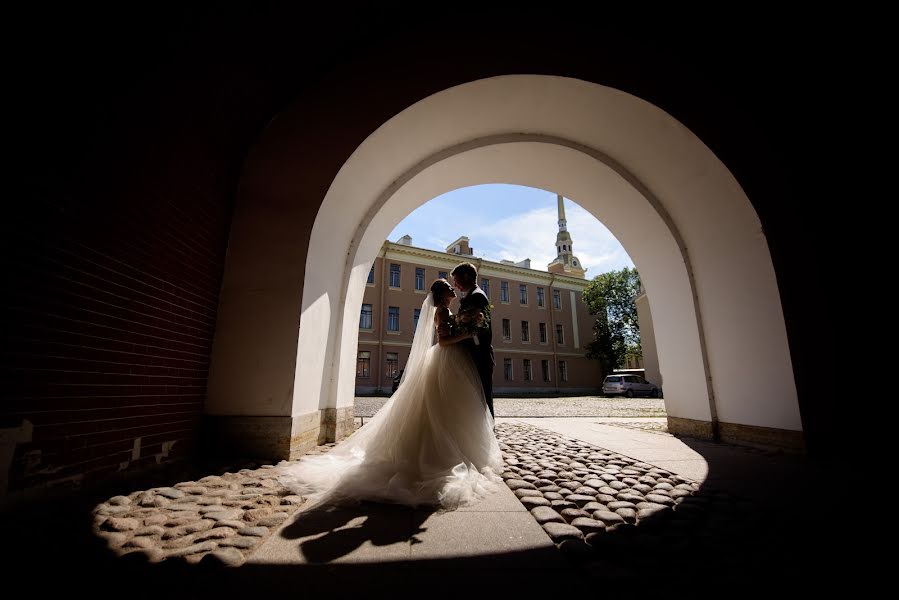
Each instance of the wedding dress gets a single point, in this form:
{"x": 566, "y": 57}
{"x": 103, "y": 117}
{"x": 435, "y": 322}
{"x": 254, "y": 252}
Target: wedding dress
{"x": 431, "y": 444}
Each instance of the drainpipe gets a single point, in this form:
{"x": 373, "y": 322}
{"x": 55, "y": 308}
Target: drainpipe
{"x": 384, "y": 275}
{"x": 552, "y": 331}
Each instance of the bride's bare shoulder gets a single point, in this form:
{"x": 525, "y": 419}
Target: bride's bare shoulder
{"x": 441, "y": 316}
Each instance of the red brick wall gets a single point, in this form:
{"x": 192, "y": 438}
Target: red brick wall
{"x": 111, "y": 312}
{"x": 112, "y": 259}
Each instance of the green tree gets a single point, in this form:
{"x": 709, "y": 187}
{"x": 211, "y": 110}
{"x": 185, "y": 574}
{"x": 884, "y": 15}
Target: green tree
{"x": 608, "y": 345}
{"x": 610, "y": 296}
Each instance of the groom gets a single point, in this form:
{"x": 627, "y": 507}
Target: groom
{"x": 465, "y": 278}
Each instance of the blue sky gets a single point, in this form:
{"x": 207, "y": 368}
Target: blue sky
{"x": 512, "y": 222}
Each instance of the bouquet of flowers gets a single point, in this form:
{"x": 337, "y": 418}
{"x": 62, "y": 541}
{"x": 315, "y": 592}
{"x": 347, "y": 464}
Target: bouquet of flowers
{"x": 471, "y": 321}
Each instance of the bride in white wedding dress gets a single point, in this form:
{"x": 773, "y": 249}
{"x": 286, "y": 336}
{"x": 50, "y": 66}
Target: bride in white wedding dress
{"x": 431, "y": 444}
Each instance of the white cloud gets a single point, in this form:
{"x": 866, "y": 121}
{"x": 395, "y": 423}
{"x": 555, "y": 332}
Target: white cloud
{"x": 533, "y": 235}
{"x": 437, "y": 243}
{"x": 496, "y": 233}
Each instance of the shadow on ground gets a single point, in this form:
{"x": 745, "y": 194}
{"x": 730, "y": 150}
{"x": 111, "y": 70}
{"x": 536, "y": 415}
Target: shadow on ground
{"x": 761, "y": 521}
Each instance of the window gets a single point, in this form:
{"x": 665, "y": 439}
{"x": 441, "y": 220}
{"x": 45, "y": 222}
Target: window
{"x": 363, "y": 363}
{"x": 557, "y": 299}
{"x": 415, "y": 319}
{"x": 507, "y": 369}
{"x": 528, "y": 374}
{"x": 563, "y": 371}
{"x": 371, "y": 275}
{"x": 507, "y": 329}
{"x": 394, "y": 275}
{"x": 541, "y": 301}
{"x": 365, "y": 317}
{"x": 525, "y": 331}
{"x": 393, "y": 318}
{"x": 442, "y": 275}
{"x": 504, "y": 291}
{"x": 522, "y": 294}
{"x": 485, "y": 285}
{"x": 542, "y": 333}
{"x": 419, "y": 279}
{"x": 544, "y": 365}
{"x": 393, "y": 364}
{"x": 560, "y": 334}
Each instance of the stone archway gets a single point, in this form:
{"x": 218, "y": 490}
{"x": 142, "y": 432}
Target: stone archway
{"x": 677, "y": 209}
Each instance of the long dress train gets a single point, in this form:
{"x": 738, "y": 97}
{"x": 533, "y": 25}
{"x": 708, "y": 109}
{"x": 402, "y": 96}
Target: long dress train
{"x": 431, "y": 444}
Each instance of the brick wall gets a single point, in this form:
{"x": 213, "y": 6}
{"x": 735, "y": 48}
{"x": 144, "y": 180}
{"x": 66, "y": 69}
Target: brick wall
{"x": 112, "y": 256}
{"x": 110, "y": 311}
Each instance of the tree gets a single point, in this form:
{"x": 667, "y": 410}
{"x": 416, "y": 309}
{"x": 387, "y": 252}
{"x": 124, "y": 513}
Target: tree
{"x": 610, "y": 297}
{"x": 608, "y": 345}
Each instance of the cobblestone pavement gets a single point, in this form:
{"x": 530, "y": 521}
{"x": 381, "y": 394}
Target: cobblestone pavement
{"x": 579, "y": 492}
{"x": 223, "y": 518}
{"x": 614, "y": 518}
{"x": 219, "y": 519}
{"x": 583, "y": 496}
{"x": 577, "y": 406}
{"x": 609, "y": 514}
{"x": 617, "y": 515}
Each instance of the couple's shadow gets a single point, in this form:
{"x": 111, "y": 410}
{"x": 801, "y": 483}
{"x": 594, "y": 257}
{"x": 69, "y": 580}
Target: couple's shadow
{"x": 329, "y": 532}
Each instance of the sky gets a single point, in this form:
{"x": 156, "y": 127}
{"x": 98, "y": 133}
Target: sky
{"x": 512, "y": 222}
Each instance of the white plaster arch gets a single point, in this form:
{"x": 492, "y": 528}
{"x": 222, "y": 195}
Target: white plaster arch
{"x": 679, "y": 212}
{"x": 281, "y": 374}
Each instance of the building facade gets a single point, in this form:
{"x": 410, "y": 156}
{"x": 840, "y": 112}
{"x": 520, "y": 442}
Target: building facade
{"x": 541, "y": 325}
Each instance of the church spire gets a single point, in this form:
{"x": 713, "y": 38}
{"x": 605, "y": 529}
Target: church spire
{"x": 563, "y": 226}
{"x": 566, "y": 262}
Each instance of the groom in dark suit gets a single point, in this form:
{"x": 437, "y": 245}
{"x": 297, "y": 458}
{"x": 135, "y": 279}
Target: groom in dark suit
{"x": 465, "y": 279}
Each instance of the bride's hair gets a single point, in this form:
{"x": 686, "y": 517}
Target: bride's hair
{"x": 439, "y": 289}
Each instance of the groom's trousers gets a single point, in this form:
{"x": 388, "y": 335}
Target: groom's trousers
{"x": 485, "y": 363}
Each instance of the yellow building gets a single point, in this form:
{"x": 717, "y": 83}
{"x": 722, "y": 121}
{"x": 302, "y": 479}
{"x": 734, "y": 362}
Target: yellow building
{"x": 540, "y": 324}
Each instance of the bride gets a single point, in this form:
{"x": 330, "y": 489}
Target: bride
{"x": 431, "y": 444}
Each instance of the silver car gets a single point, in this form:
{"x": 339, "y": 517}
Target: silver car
{"x": 630, "y": 386}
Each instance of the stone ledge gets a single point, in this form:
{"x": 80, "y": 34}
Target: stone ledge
{"x": 765, "y": 437}
{"x": 277, "y": 438}
{"x": 691, "y": 428}
{"x": 744, "y": 435}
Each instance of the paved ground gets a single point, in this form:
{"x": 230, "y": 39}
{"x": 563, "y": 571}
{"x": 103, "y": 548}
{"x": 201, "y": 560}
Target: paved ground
{"x": 577, "y": 406}
{"x": 703, "y": 515}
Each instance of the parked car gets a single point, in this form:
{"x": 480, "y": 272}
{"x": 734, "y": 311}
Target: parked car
{"x": 396, "y": 380}
{"x": 630, "y": 386}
